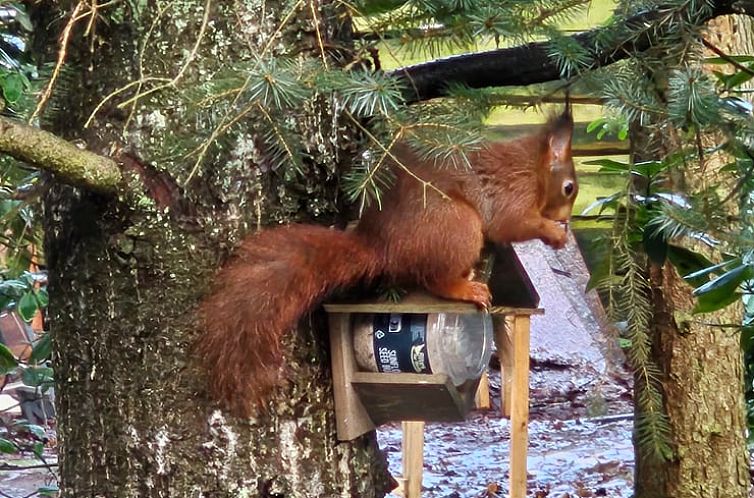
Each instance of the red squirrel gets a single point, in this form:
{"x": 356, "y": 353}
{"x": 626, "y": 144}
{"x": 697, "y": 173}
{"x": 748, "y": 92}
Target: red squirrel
{"x": 514, "y": 190}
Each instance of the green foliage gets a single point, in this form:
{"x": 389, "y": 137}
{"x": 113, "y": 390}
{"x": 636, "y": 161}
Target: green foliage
{"x": 24, "y": 296}
{"x": 8, "y": 361}
{"x": 21, "y": 291}
{"x": 19, "y": 75}
{"x": 695, "y": 120}
{"x": 692, "y": 98}
{"x": 366, "y": 94}
{"x": 571, "y": 56}
{"x": 433, "y": 28}
{"x": 609, "y": 125}
{"x": 623, "y": 278}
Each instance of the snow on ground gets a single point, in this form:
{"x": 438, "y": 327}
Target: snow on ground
{"x": 572, "y": 458}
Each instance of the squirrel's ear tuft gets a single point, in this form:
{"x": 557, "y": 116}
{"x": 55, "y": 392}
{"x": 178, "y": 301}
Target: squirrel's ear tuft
{"x": 559, "y": 134}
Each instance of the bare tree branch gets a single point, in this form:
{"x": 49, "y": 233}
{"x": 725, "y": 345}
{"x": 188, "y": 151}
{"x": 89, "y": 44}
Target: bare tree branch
{"x": 49, "y": 152}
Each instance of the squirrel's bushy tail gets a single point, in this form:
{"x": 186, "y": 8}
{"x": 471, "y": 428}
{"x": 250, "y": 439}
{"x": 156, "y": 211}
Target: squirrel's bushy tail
{"x": 273, "y": 278}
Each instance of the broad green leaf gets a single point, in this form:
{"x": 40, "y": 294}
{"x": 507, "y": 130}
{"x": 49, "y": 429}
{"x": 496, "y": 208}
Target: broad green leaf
{"x": 36, "y": 430}
{"x": 22, "y": 17}
{"x": 610, "y": 201}
{"x": 42, "y": 349}
{"x": 7, "y": 446}
{"x": 13, "y": 287}
{"x": 691, "y": 264}
{"x": 595, "y": 124}
{"x": 730, "y": 167}
{"x": 721, "y": 60}
{"x": 8, "y": 361}
{"x": 711, "y": 269}
{"x": 27, "y": 306}
{"x": 37, "y": 376}
{"x": 43, "y": 298}
{"x": 6, "y": 302}
{"x": 648, "y": 169}
{"x": 737, "y": 79}
{"x": 726, "y": 283}
{"x": 610, "y": 166}
{"x": 48, "y": 491}
{"x": 13, "y": 87}
{"x": 713, "y": 302}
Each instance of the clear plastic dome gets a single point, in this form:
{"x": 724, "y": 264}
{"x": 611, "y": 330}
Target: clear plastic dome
{"x": 459, "y": 345}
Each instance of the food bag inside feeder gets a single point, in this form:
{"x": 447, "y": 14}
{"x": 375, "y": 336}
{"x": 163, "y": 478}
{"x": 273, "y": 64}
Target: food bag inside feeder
{"x": 458, "y": 345}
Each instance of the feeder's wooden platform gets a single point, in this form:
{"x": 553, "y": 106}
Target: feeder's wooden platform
{"x": 422, "y": 302}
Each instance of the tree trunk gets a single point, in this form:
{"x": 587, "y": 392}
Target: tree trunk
{"x": 700, "y": 359}
{"x": 702, "y": 371}
{"x": 134, "y": 417}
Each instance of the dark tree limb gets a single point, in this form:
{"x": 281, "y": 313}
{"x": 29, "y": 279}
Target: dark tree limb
{"x": 529, "y": 64}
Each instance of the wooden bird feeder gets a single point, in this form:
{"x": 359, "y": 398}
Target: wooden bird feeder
{"x": 365, "y": 400}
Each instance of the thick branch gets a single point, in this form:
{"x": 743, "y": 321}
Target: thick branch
{"x": 529, "y": 64}
{"x": 70, "y": 164}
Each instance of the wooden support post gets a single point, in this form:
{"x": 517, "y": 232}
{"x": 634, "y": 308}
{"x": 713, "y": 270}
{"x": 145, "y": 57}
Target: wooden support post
{"x": 413, "y": 458}
{"x": 504, "y": 344}
{"x": 351, "y": 418}
{"x": 519, "y": 406}
{"x": 482, "y": 397}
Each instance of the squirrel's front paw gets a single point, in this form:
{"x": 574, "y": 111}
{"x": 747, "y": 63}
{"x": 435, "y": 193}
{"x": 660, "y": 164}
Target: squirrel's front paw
{"x": 556, "y": 236}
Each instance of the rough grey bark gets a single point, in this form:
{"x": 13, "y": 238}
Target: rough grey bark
{"x": 135, "y": 419}
{"x": 702, "y": 369}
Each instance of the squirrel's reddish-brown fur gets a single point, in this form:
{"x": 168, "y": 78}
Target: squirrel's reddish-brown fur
{"x": 515, "y": 190}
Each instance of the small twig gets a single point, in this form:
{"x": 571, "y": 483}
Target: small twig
{"x": 202, "y": 149}
{"x": 90, "y": 25}
{"x": 8, "y": 466}
{"x": 189, "y": 59}
{"x": 142, "y": 79}
{"x": 97, "y": 6}
{"x": 9, "y": 408}
{"x": 115, "y": 93}
{"x": 727, "y": 58}
{"x": 59, "y": 64}
{"x": 161, "y": 12}
{"x": 743, "y": 181}
{"x": 320, "y": 41}
{"x": 49, "y": 467}
{"x": 425, "y": 183}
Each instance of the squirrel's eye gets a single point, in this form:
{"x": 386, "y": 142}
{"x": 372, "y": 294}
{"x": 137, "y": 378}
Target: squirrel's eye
{"x": 568, "y": 188}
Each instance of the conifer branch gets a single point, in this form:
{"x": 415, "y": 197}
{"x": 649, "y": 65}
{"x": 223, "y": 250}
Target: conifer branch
{"x": 532, "y": 63}
{"x": 70, "y": 164}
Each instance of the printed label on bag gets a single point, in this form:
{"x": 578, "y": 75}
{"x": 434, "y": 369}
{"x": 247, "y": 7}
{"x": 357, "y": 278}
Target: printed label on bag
{"x": 400, "y": 343}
